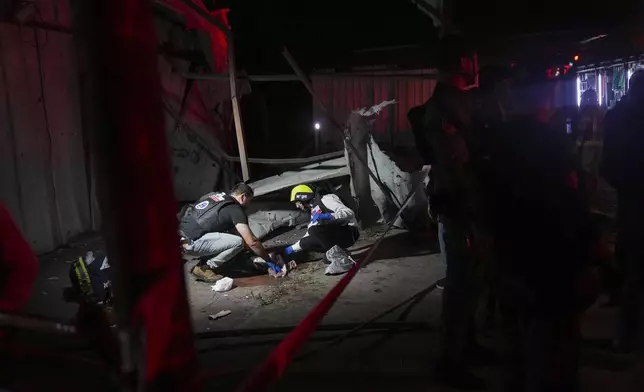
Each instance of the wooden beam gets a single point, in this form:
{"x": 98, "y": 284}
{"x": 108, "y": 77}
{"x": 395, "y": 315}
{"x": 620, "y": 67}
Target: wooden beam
{"x": 252, "y": 78}
{"x": 295, "y": 78}
{"x": 43, "y": 26}
{"x": 232, "y": 72}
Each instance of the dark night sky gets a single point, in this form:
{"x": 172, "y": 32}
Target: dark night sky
{"x": 517, "y": 17}
{"x": 320, "y": 32}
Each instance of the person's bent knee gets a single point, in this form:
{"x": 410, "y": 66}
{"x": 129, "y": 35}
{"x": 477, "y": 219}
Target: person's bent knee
{"x": 237, "y": 243}
{"x": 315, "y": 230}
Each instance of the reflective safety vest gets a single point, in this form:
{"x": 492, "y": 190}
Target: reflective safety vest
{"x": 90, "y": 278}
{"x": 202, "y": 217}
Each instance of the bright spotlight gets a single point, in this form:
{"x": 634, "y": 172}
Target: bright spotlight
{"x": 317, "y": 126}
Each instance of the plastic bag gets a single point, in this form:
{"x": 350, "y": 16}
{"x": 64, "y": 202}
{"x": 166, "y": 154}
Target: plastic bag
{"x": 340, "y": 261}
{"x": 222, "y": 285}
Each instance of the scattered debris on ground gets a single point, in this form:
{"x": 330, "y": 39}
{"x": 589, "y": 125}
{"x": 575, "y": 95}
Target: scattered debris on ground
{"x": 219, "y": 315}
{"x": 222, "y": 285}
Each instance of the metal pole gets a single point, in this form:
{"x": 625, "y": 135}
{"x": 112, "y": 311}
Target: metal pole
{"x": 136, "y": 195}
{"x": 232, "y": 72}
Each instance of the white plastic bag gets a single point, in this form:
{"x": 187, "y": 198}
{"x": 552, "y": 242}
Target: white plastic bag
{"x": 340, "y": 261}
{"x": 222, "y": 285}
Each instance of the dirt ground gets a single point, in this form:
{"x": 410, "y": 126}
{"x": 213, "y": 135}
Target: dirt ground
{"x": 378, "y": 358}
{"x": 255, "y": 297}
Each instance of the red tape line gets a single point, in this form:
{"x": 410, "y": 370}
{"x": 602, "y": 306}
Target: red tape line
{"x": 275, "y": 365}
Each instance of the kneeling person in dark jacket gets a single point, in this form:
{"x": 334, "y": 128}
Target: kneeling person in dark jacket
{"x": 207, "y": 229}
{"x": 332, "y": 229}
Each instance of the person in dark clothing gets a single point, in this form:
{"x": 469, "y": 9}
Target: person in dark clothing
{"x": 623, "y": 168}
{"x": 587, "y": 134}
{"x": 447, "y": 136}
{"x": 216, "y": 226}
{"x": 416, "y": 117}
{"x": 542, "y": 233}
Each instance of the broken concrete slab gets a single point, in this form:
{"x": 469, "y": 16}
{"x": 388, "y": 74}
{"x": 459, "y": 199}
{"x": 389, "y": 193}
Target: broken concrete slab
{"x": 265, "y": 217}
{"x": 395, "y": 178}
{"x": 270, "y": 218}
{"x": 325, "y": 170}
{"x": 401, "y": 183}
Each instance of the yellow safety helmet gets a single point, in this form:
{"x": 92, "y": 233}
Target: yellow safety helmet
{"x": 302, "y": 192}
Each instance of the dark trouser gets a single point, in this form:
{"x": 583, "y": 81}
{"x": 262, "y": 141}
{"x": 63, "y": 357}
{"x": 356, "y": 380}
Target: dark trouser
{"x": 543, "y": 345}
{"x": 460, "y": 296}
{"x": 324, "y": 237}
{"x": 9, "y": 361}
{"x": 630, "y": 255}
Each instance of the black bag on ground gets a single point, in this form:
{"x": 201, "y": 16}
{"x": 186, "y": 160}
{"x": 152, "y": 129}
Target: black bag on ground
{"x": 90, "y": 279}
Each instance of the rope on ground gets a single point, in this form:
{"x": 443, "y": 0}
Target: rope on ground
{"x": 341, "y": 338}
{"x": 368, "y": 330}
{"x": 35, "y": 324}
{"x": 375, "y": 329}
{"x": 275, "y": 364}
{"x": 236, "y": 333}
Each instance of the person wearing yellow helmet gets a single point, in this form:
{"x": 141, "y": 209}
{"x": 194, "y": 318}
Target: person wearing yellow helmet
{"x": 332, "y": 222}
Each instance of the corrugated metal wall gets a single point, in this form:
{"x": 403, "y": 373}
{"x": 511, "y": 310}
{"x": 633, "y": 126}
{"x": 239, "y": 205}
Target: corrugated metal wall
{"x": 43, "y": 156}
{"x": 43, "y": 179}
{"x": 194, "y": 145}
{"x": 343, "y": 94}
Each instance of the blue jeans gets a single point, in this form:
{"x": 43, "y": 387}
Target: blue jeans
{"x": 441, "y": 243}
{"x": 222, "y": 247}
{"x": 460, "y": 295}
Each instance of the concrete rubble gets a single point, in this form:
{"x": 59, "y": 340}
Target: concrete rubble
{"x": 398, "y": 181}
{"x": 386, "y": 167}
{"x": 265, "y": 218}
{"x": 326, "y": 170}
{"x": 219, "y": 315}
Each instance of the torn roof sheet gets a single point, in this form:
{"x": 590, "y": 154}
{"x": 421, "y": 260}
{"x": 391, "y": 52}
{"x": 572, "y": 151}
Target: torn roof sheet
{"x": 325, "y": 170}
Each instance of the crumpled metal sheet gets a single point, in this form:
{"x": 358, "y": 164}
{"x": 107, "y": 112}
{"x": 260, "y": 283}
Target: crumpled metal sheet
{"x": 308, "y": 174}
{"x": 375, "y": 109}
{"x": 43, "y": 175}
{"x": 265, "y": 222}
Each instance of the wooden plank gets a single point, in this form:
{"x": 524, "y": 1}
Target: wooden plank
{"x": 232, "y": 71}
{"x": 252, "y": 78}
{"x": 239, "y": 127}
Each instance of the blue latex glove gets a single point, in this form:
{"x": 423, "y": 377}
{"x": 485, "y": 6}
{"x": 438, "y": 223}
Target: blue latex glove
{"x": 276, "y": 268}
{"x": 289, "y": 250}
{"x": 321, "y": 217}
